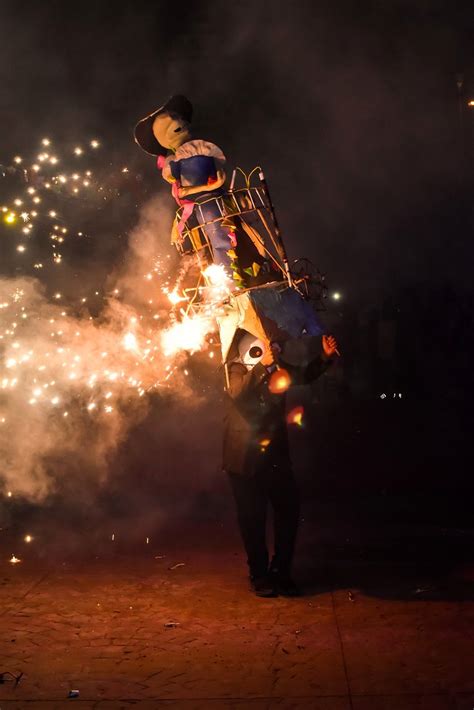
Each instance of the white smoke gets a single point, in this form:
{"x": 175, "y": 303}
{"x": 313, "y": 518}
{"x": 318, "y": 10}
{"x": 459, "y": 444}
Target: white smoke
{"x": 72, "y": 385}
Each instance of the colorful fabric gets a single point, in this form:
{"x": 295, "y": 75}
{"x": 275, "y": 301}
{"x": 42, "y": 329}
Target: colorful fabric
{"x": 270, "y": 314}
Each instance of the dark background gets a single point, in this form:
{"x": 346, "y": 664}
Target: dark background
{"x": 358, "y": 113}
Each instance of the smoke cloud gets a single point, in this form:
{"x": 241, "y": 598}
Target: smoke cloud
{"x": 72, "y": 385}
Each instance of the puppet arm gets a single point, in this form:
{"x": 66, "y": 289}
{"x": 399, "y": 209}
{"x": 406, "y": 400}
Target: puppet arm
{"x": 186, "y": 191}
{"x": 242, "y": 382}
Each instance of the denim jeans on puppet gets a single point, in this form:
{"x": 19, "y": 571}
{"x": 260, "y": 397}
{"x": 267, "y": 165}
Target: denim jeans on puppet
{"x": 208, "y": 214}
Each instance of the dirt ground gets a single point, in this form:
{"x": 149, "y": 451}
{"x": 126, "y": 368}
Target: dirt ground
{"x": 126, "y": 630}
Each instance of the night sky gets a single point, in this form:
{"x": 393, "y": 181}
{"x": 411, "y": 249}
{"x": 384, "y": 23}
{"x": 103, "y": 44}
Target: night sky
{"x": 351, "y": 108}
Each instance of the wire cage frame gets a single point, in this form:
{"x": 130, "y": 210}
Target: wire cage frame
{"x": 247, "y": 207}
{"x": 250, "y": 206}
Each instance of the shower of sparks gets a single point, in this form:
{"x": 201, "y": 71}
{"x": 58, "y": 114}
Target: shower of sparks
{"x": 43, "y": 184}
{"x": 60, "y": 363}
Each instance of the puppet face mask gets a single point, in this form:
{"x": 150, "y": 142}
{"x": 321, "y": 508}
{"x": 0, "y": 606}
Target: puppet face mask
{"x": 251, "y": 350}
{"x": 170, "y": 130}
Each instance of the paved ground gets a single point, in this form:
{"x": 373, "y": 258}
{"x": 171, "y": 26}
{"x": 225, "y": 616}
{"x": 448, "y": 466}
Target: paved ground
{"x": 127, "y": 631}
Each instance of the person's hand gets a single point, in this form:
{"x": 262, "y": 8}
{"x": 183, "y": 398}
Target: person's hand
{"x": 329, "y": 345}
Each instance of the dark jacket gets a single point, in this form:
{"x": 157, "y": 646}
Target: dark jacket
{"x": 254, "y": 421}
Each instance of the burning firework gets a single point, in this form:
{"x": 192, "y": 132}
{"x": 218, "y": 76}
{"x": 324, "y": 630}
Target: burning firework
{"x": 63, "y": 366}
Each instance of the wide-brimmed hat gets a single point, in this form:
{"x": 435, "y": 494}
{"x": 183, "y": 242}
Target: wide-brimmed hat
{"x": 144, "y": 136}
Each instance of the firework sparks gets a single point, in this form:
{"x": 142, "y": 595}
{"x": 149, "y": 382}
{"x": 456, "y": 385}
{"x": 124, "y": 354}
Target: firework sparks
{"x": 61, "y": 366}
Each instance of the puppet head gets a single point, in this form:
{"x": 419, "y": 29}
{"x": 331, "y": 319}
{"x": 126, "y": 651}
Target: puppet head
{"x": 166, "y": 128}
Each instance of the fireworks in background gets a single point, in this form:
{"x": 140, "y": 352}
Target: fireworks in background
{"x": 76, "y": 372}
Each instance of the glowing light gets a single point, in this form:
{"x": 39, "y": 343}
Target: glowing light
{"x": 17, "y": 159}
{"x": 25, "y": 216}
{"x": 130, "y": 342}
{"x": 18, "y": 202}
{"x": 28, "y": 538}
{"x": 175, "y": 298}
{"x": 52, "y": 213}
{"x": 470, "y": 103}
{"x": 95, "y": 144}
{"x": 295, "y": 416}
{"x": 189, "y": 335}
{"x": 35, "y": 167}
{"x": 10, "y": 218}
{"x": 264, "y": 443}
{"x": 78, "y": 150}
{"x": 336, "y": 295}
{"x": 217, "y": 276}
{"x": 21, "y": 248}
{"x": 279, "y": 382}
{"x": 36, "y": 200}
{"x": 46, "y": 141}
{"x": 14, "y": 560}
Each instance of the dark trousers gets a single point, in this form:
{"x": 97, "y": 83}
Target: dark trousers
{"x": 274, "y": 483}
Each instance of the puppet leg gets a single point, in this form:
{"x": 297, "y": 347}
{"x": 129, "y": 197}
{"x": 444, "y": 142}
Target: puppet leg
{"x": 218, "y": 232}
{"x": 251, "y": 503}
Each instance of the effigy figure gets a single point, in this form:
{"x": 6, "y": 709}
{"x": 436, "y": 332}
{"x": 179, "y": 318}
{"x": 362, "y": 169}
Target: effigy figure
{"x": 195, "y": 170}
{"x": 269, "y": 333}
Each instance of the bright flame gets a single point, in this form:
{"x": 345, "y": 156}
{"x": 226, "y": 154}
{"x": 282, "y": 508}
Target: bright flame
{"x": 130, "y": 342}
{"x": 217, "y": 276}
{"x": 189, "y": 334}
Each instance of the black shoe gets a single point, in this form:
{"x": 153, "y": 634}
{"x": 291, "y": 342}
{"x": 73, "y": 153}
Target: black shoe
{"x": 284, "y": 584}
{"x": 263, "y": 586}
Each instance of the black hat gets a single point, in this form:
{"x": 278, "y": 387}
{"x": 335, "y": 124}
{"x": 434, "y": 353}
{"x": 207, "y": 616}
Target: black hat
{"x": 144, "y": 129}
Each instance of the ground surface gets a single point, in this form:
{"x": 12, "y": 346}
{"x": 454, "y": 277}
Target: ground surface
{"x": 375, "y": 628}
